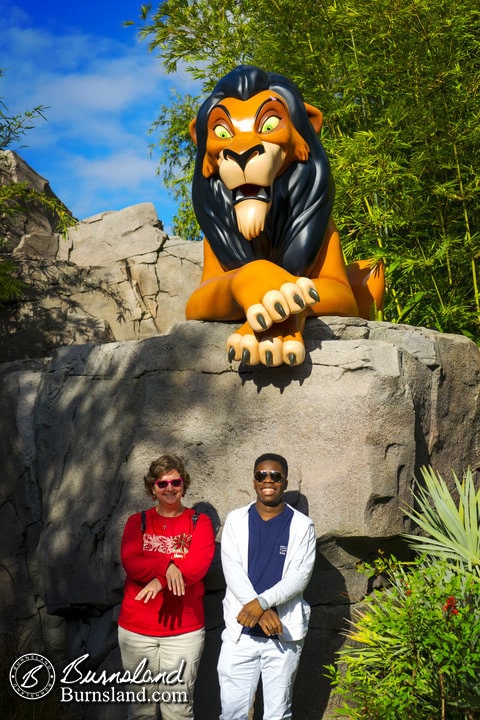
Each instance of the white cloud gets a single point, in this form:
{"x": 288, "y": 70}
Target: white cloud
{"x": 101, "y": 96}
{"x": 116, "y": 170}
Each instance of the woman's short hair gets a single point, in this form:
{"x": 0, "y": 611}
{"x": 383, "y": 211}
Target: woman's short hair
{"x": 163, "y": 465}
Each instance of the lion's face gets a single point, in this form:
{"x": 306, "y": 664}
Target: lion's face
{"x": 249, "y": 144}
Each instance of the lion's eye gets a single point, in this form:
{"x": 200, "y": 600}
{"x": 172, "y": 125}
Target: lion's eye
{"x": 222, "y": 132}
{"x": 270, "y": 124}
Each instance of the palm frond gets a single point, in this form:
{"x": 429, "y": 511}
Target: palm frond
{"x": 452, "y": 530}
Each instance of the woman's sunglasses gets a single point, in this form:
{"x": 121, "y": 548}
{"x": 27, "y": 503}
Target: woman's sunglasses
{"x": 162, "y": 484}
{"x": 274, "y": 475}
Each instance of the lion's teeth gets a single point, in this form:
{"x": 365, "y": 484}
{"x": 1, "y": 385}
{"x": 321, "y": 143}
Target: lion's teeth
{"x": 251, "y": 192}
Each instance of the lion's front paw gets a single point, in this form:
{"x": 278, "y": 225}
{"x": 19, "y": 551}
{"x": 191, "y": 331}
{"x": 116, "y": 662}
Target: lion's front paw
{"x": 277, "y": 305}
{"x": 270, "y": 351}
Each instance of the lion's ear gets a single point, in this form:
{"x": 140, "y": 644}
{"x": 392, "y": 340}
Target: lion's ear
{"x": 193, "y": 130}
{"x": 315, "y": 116}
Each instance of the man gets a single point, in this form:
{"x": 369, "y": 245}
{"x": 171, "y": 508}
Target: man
{"x": 268, "y": 553}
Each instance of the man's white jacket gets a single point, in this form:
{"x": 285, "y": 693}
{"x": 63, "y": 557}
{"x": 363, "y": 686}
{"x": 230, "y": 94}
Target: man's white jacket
{"x": 287, "y": 594}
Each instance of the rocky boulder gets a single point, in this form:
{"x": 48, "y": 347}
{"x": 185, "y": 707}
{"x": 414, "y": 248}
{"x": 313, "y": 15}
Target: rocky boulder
{"x": 115, "y": 276}
{"x": 372, "y": 404}
{"x": 36, "y": 220}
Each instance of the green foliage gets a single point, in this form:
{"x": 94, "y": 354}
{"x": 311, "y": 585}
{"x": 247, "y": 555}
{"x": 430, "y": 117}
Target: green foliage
{"x": 11, "y": 286}
{"x": 177, "y": 154}
{"x": 14, "y": 127}
{"x": 409, "y": 133}
{"x": 207, "y": 37}
{"x": 17, "y": 198}
{"x": 398, "y": 83}
{"x": 413, "y": 652}
{"x": 452, "y": 531}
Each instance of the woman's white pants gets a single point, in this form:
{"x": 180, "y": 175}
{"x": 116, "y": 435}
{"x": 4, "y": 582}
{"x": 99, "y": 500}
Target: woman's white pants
{"x": 164, "y": 655}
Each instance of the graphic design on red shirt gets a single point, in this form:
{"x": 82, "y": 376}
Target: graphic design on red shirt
{"x": 177, "y": 546}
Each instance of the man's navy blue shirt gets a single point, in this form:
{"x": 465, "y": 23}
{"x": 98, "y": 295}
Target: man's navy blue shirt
{"x": 267, "y": 547}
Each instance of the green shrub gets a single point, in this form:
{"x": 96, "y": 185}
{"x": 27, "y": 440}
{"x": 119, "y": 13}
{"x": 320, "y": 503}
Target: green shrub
{"x": 413, "y": 651}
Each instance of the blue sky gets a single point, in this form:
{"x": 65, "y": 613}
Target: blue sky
{"x": 102, "y": 89}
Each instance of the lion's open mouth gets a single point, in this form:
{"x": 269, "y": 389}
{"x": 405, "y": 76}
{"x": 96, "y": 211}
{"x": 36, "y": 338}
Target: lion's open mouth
{"x": 251, "y": 192}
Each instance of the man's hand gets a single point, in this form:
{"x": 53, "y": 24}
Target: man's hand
{"x": 175, "y": 580}
{"x": 270, "y": 623}
{"x": 250, "y": 614}
{"x": 150, "y": 591}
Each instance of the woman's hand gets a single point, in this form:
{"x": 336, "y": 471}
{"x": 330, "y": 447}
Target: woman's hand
{"x": 175, "y": 580}
{"x": 150, "y": 590}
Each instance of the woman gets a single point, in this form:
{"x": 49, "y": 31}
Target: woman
{"x": 166, "y": 552}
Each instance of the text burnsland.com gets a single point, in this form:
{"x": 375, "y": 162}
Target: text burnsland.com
{"x": 74, "y": 674}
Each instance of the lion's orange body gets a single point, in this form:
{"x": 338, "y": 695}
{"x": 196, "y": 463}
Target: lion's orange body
{"x": 252, "y": 154}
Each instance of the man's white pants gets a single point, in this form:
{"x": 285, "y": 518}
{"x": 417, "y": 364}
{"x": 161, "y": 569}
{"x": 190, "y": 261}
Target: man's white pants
{"x": 239, "y": 667}
{"x": 164, "y": 654}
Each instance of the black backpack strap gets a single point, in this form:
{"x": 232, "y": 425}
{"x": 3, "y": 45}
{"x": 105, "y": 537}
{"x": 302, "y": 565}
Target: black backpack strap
{"x": 195, "y": 517}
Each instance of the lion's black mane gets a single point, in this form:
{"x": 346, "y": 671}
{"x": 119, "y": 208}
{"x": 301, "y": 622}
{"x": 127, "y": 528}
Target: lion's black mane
{"x": 302, "y": 196}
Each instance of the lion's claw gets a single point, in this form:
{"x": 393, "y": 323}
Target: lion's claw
{"x": 277, "y": 305}
{"x": 261, "y": 321}
{"x": 279, "y": 308}
{"x": 245, "y": 356}
{"x": 258, "y": 317}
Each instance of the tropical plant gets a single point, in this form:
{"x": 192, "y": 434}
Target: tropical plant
{"x": 452, "y": 532}
{"x": 413, "y": 651}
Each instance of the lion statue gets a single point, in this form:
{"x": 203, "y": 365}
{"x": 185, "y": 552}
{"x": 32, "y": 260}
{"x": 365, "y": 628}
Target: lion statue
{"x": 263, "y": 195}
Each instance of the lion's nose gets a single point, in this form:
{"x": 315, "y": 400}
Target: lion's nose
{"x": 242, "y": 158}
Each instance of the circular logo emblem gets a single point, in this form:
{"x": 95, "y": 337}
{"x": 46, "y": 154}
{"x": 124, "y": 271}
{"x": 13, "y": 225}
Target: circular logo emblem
{"x": 32, "y": 676}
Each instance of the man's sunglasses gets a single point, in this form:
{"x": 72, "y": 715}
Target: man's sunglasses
{"x": 274, "y": 475}
{"x": 162, "y": 484}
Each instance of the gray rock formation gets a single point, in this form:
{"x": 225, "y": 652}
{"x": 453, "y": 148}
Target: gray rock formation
{"x": 38, "y": 220}
{"x": 372, "y": 403}
{"x": 115, "y": 276}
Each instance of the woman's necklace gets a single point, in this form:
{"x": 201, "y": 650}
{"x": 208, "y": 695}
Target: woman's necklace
{"x": 165, "y": 518}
